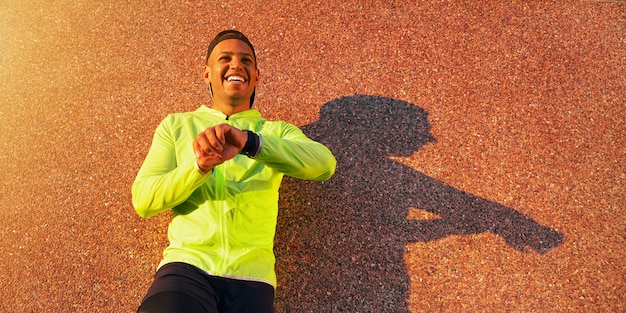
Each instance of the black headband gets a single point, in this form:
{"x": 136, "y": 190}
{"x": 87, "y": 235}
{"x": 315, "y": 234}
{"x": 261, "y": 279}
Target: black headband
{"x": 229, "y": 34}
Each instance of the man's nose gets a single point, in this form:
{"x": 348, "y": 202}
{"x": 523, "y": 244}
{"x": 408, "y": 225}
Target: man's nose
{"x": 235, "y": 63}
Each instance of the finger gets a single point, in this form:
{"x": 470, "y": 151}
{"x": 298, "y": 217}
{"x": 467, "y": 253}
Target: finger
{"x": 220, "y": 133}
{"x": 233, "y": 136}
{"x": 205, "y": 164}
{"x": 213, "y": 135}
{"x": 197, "y": 149}
{"x": 208, "y": 162}
{"x": 204, "y": 145}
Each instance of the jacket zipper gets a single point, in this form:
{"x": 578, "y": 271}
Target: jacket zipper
{"x": 220, "y": 188}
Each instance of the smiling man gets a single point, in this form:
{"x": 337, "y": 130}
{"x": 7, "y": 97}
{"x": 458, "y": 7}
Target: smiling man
{"x": 231, "y": 72}
{"x": 218, "y": 169}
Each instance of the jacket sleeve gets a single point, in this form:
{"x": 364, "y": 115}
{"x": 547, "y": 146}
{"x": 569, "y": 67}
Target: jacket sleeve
{"x": 296, "y": 155}
{"x": 161, "y": 182}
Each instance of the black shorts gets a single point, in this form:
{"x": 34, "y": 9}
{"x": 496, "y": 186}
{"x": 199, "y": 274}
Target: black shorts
{"x": 180, "y": 287}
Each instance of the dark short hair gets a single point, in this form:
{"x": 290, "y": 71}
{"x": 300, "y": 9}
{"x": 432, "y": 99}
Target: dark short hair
{"x": 229, "y": 34}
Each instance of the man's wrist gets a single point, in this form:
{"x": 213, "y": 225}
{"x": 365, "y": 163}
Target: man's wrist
{"x": 253, "y": 145}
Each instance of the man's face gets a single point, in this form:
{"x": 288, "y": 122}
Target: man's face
{"x": 232, "y": 71}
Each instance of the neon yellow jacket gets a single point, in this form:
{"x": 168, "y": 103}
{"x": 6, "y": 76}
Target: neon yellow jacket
{"x": 224, "y": 222}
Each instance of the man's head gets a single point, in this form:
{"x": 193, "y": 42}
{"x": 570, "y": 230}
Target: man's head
{"x": 231, "y": 70}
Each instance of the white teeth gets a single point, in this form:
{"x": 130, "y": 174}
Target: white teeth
{"x": 236, "y": 79}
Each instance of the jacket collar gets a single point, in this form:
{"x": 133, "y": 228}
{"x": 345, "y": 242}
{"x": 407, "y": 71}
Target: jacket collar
{"x": 220, "y": 114}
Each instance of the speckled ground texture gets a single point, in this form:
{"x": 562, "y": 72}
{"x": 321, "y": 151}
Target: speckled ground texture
{"x": 481, "y": 149}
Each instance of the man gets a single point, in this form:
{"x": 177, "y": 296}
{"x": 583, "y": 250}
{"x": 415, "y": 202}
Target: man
{"x": 219, "y": 170}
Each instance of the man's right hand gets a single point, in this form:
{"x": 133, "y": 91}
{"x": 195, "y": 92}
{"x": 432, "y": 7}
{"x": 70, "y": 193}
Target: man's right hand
{"x": 217, "y": 145}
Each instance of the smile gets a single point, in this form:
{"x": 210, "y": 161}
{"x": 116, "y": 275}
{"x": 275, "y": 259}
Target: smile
{"x": 236, "y": 79}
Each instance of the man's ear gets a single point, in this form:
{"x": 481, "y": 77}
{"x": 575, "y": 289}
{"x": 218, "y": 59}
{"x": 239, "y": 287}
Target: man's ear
{"x": 258, "y": 75}
{"x": 207, "y": 75}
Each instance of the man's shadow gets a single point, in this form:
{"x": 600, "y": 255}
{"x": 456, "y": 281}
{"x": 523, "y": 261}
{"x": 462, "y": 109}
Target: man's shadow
{"x": 340, "y": 244}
